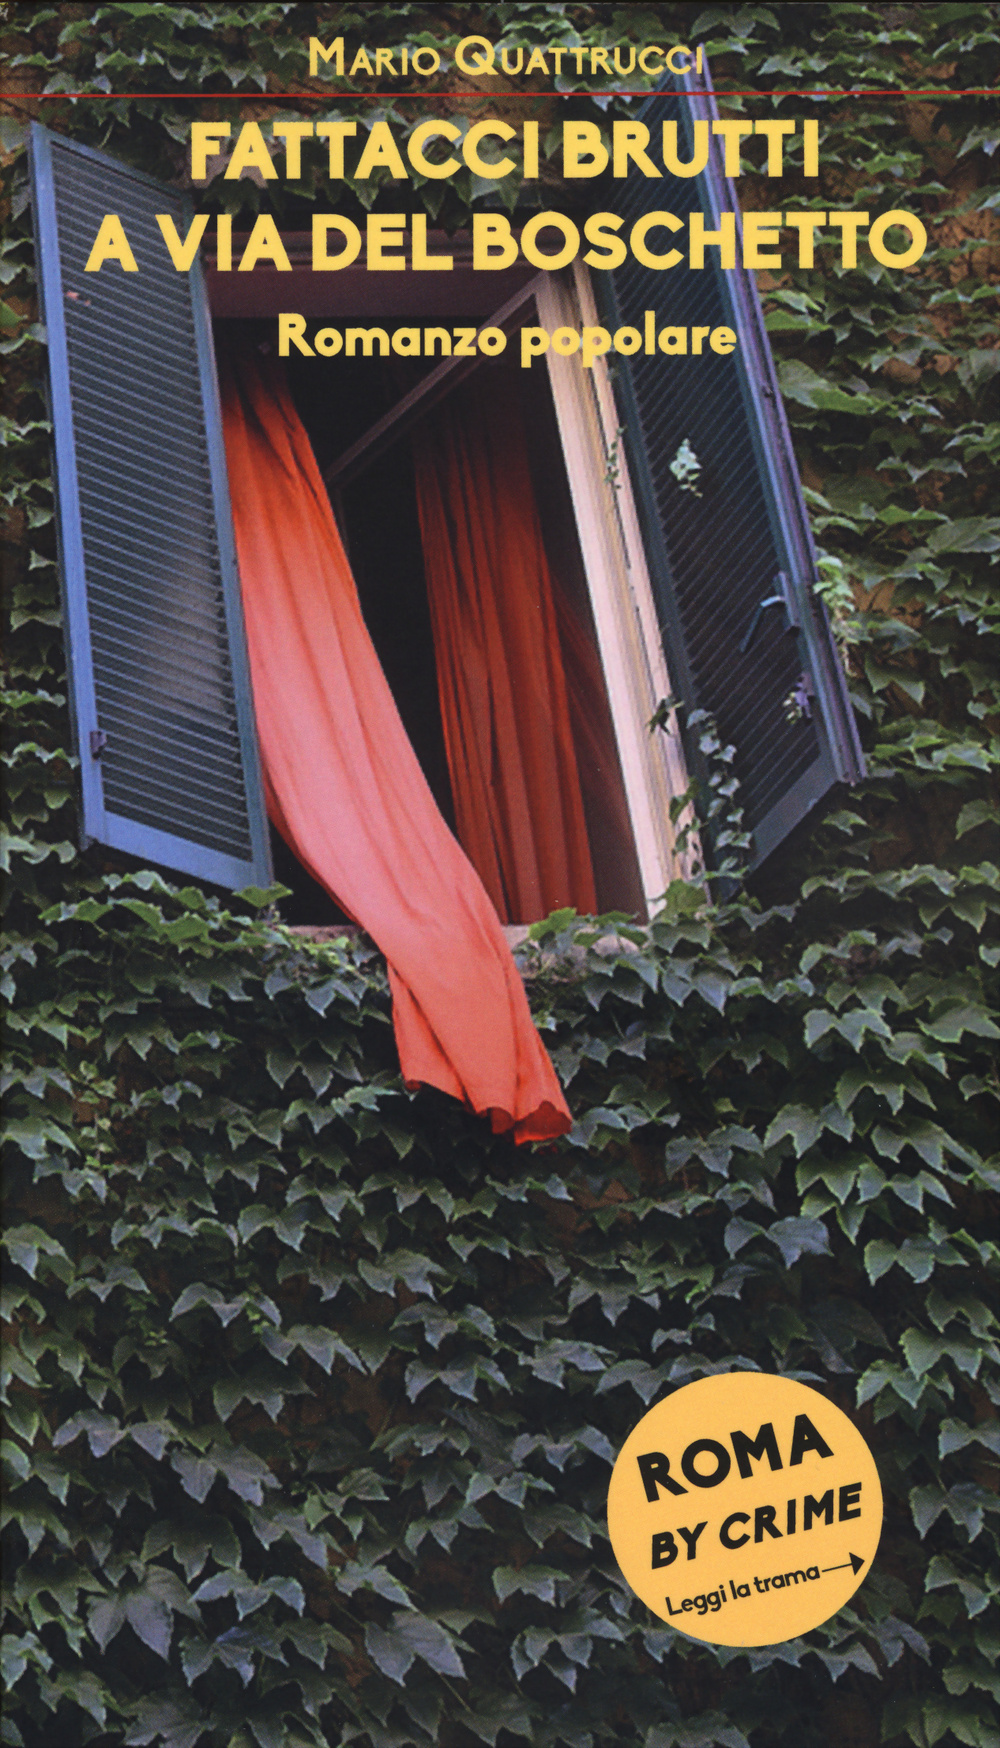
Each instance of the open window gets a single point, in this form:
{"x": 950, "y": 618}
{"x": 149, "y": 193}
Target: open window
{"x": 368, "y": 416}
{"x": 160, "y": 692}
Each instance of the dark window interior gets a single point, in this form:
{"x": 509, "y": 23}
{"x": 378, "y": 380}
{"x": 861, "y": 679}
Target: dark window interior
{"x": 338, "y": 400}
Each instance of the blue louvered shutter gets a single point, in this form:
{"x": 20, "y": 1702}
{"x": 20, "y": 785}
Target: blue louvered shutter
{"x": 156, "y": 651}
{"x": 732, "y": 563}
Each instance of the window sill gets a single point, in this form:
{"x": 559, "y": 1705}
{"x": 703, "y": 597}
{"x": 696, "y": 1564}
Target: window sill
{"x": 542, "y": 960}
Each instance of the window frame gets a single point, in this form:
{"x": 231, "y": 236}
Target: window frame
{"x": 630, "y": 641}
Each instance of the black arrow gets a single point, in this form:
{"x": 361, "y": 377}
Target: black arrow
{"x": 854, "y": 1561}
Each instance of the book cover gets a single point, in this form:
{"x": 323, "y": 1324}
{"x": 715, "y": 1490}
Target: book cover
{"x": 597, "y": 407}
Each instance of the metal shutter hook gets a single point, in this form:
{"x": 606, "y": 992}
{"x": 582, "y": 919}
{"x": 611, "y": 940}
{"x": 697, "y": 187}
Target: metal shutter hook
{"x": 783, "y": 600}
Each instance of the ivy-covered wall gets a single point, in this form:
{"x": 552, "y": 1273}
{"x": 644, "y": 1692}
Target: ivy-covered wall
{"x": 314, "y": 1386}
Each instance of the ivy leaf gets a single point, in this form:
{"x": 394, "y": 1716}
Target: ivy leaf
{"x": 818, "y": 1022}
{"x": 926, "y": 1504}
{"x": 358, "y": 1575}
{"x": 324, "y": 1346}
{"x": 268, "y": 1729}
{"x": 917, "y": 1256}
{"x": 804, "y": 1126}
{"x": 172, "y": 1720}
{"x": 103, "y": 1433}
{"x": 151, "y": 1620}
{"x": 971, "y": 534}
{"x": 244, "y": 1472}
{"x": 193, "y": 1542}
{"x": 196, "y": 1474}
{"x": 24, "y": 1244}
{"x": 711, "y": 1731}
{"x": 739, "y": 1232}
{"x": 922, "y": 1351}
{"x": 389, "y": 1652}
{"x": 197, "y": 1295}
{"x": 537, "y": 1581}
{"x": 973, "y": 814}
{"x": 151, "y": 1436}
{"x": 799, "y": 382}
{"x": 797, "y": 1237}
{"x": 953, "y": 1436}
{"x": 107, "y": 1617}
{"x": 430, "y": 1642}
{"x": 282, "y": 1061}
{"x": 942, "y": 1574}
{"x": 643, "y": 1378}
{"x": 950, "y": 1026}
{"x": 228, "y": 1393}
{"x": 858, "y": 1022}
{"x": 965, "y": 1504}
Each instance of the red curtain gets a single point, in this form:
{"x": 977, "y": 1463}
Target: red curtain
{"x": 346, "y": 792}
{"x": 512, "y": 760}
{"x": 611, "y": 839}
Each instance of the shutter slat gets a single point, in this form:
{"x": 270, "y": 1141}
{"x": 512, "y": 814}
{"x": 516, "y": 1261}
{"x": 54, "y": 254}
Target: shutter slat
{"x": 119, "y": 690}
{"x": 152, "y": 611}
{"x": 173, "y": 556}
{"x": 123, "y": 449}
{"x": 716, "y": 554}
{"x": 167, "y": 408}
{"x": 188, "y": 645}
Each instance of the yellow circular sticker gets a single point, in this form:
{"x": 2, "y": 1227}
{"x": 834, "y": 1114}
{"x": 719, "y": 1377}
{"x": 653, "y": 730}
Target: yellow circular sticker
{"x": 745, "y": 1509}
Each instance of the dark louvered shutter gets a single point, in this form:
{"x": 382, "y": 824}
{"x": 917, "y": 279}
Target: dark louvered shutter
{"x": 732, "y": 562}
{"x": 154, "y": 627}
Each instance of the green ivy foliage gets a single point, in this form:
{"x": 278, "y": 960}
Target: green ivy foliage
{"x": 313, "y": 1385}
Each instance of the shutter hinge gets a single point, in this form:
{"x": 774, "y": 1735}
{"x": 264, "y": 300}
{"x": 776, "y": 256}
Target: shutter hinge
{"x": 799, "y": 700}
{"x": 98, "y": 742}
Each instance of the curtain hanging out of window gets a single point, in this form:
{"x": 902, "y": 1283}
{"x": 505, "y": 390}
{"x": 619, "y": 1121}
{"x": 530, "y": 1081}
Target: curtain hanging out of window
{"x": 345, "y": 789}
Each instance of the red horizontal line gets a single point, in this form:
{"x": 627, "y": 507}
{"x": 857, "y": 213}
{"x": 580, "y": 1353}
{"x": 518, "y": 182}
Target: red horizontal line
{"x": 349, "y": 96}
